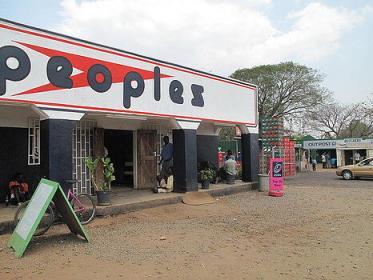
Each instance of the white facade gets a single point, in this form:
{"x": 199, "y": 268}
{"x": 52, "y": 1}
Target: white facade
{"x": 52, "y": 78}
{"x": 341, "y": 146}
{"x": 68, "y": 74}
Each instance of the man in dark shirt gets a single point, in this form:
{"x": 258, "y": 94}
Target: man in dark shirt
{"x": 166, "y": 158}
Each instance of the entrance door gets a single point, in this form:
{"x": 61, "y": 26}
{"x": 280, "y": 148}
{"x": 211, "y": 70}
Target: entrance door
{"x": 146, "y": 159}
{"x": 119, "y": 145}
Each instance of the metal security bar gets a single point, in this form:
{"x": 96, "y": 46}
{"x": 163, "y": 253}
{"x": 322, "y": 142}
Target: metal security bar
{"x": 82, "y": 148}
{"x": 33, "y": 142}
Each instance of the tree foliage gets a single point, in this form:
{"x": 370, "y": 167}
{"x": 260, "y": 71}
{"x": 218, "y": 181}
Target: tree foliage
{"x": 227, "y": 133}
{"x": 335, "y": 120}
{"x": 285, "y": 89}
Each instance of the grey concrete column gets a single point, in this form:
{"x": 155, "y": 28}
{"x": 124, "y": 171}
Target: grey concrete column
{"x": 56, "y": 161}
{"x": 250, "y": 157}
{"x": 185, "y": 160}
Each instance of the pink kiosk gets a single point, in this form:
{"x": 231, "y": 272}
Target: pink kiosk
{"x": 276, "y": 177}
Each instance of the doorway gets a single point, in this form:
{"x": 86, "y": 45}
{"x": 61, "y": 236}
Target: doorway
{"x": 146, "y": 159}
{"x": 119, "y": 145}
{"x": 354, "y": 156}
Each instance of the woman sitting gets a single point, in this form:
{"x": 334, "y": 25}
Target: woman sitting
{"x": 18, "y": 188}
{"x": 165, "y": 182}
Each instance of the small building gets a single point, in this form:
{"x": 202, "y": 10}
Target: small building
{"x": 352, "y": 150}
{"x": 63, "y": 99}
{"x": 343, "y": 151}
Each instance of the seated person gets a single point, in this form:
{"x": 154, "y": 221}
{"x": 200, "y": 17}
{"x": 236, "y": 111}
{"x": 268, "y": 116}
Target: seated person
{"x": 18, "y": 189}
{"x": 230, "y": 168}
{"x": 222, "y": 174}
{"x": 165, "y": 182}
{"x": 228, "y": 154}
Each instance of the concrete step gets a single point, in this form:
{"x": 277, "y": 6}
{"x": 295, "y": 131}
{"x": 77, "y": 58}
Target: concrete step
{"x": 151, "y": 200}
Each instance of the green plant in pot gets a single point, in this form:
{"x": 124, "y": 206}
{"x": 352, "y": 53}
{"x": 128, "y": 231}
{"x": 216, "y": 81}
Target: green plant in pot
{"x": 102, "y": 187}
{"x": 207, "y": 175}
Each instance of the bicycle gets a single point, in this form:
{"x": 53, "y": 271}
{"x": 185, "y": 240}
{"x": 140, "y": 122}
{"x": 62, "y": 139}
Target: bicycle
{"x": 83, "y": 205}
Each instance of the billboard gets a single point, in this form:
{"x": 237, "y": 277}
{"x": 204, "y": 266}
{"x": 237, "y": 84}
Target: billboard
{"x": 52, "y": 70}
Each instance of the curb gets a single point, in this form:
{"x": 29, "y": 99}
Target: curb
{"x": 101, "y": 211}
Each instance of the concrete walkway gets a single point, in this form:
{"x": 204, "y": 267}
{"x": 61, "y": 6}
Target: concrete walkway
{"x": 128, "y": 200}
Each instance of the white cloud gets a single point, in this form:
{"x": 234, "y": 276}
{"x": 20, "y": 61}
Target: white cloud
{"x": 211, "y": 35}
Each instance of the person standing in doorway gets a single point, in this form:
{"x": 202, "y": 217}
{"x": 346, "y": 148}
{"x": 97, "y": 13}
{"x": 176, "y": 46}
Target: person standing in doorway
{"x": 327, "y": 157}
{"x": 323, "y": 160}
{"x": 166, "y": 159}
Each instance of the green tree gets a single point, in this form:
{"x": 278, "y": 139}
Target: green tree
{"x": 227, "y": 133}
{"x": 285, "y": 89}
{"x": 335, "y": 120}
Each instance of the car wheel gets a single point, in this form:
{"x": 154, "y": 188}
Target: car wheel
{"x": 347, "y": 175}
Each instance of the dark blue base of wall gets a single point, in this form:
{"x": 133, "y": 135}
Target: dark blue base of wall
{"x": 250, "y": 157}
{"x": 56, "y": 151}
{"x": 207, "y": 149}
{"x": 185, "y": 160}
{"x": 13, "y": 158}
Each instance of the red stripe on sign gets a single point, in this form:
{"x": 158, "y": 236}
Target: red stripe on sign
{"x": 83, "y": 63}
{"x": 122, "y": 55}
{"x": 102, "y": 109}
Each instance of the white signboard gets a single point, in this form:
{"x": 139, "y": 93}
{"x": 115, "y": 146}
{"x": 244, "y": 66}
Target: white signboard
{"x": 51, "y": 70}
{"x": 33, "y": 210}
{"x": 320, "y": 144}
{"x": 352, "y": 140}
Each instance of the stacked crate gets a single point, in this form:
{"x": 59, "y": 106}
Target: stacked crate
{"x": 271, "y": 134}
{"x": 272, "y": 131}
{"x": 288, "y": 148}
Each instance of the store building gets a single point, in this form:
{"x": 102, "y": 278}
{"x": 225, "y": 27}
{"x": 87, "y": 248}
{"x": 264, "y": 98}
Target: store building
{"x": 63, "y": 99}
{"x": 345, "y": 151}
{"x": 352, "y": 150}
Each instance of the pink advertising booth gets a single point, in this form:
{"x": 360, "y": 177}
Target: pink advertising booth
{"x": 276, "y": 177}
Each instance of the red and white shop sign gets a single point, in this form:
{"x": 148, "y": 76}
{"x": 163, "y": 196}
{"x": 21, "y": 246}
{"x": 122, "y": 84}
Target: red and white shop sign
{"x": 52, "y": 70}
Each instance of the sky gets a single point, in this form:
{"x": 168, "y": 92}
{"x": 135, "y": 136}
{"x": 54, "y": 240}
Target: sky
{"x": 221, "y": 36}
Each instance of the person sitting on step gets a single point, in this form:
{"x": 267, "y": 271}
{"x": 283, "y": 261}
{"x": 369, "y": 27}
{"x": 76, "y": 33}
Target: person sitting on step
{"x": 18, "y": 189}
{"x": 230, "y": 168}
{"x": 166, "y": 183}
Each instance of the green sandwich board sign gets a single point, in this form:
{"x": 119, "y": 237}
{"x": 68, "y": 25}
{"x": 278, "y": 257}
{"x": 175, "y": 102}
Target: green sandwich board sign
{"x": 46, "y": 192}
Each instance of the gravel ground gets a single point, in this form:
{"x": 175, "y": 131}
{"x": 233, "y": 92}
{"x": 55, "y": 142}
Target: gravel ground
{"x": 321, "y": 229}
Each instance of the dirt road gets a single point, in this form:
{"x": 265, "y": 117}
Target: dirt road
{"x": 321, "y": 229}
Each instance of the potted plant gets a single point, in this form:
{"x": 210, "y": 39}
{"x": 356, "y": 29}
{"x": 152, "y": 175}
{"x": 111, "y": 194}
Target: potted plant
{"x": 102, "y": 188}
{"x": 207, "y": 175}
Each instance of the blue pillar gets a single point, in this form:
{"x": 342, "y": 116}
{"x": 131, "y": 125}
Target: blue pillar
{"x": 56, "y": 161}
{"x": 185, "y": 160}
{"x": 250, "y": 157}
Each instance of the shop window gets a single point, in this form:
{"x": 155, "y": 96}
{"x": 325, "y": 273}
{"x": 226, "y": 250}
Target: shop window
{"x": 33, "y": 142}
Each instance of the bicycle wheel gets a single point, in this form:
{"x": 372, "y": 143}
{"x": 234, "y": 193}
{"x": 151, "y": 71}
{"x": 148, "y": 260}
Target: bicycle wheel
{"x": 84, "y": 208}
{"x": 45, "y": 222}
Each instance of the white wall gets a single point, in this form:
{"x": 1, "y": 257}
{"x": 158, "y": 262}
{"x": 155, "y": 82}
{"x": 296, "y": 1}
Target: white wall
{"x": 369, "y": 153}
{"x": 16, "y": 116}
